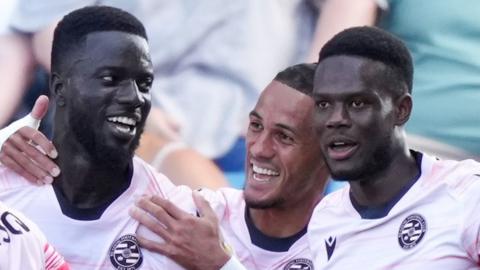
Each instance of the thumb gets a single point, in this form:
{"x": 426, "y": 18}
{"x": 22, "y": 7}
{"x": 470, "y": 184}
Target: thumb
{"x": 204, "y": 208}
{"x": 40, "y": 108}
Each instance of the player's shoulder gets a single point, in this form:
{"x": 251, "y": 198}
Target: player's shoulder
{"x": 11, "y": 180}
{"x": 331, "y": 201}
{"x": 145, "y": 174}
{"x": 224, "y": 200}
{"x": 459, "y": 176}
{"x": 27, "y": 227}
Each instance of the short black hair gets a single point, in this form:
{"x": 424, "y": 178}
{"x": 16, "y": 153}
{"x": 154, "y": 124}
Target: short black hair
{"x": 75, "y": 26}
{"x": 374, "y": 44}
{"x": 298, "y": 77}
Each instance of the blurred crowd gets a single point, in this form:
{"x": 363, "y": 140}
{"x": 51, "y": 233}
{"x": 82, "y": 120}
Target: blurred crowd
{"x": 212, "y": 59}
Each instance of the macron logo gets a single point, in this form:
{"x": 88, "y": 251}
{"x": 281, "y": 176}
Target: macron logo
{"x": 330, "y": 245}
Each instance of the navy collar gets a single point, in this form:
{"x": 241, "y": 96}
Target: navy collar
{"x": 380, "y": 211}
{"x": 94, "y": 213}
{"x": 269, "y": 243}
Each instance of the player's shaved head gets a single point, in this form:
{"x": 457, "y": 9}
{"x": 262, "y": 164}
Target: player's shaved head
{"x": 75, "y": 26}
{"x": 298, "y": 77}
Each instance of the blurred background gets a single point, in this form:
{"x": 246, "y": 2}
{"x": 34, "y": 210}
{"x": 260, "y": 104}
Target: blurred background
{"x": 212, "y": 58}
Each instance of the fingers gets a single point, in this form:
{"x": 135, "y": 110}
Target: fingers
{"x": 40, "y": 108}
{"x": 30, "y": 134}
{"x": 23, "y": 165}
{"x": 35, "y": 152}
{"x": 150, "y": 223}
{"x": 203, "y": 206}
{"x": 156, "y": 210}
{"x": 154, "y": 246}
{"x": 10, "y": 163}
{"x": 170, "y": 208}
{"x": 30, "y": 157}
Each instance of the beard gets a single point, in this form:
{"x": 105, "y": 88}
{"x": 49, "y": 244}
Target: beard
{"x": 378, "y": 161}
{"x": 265, "y": 204}
{"x": 97, "y": 146}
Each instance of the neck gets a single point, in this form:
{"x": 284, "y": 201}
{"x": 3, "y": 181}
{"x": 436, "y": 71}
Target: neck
{"x": 292, "y": 219}
{"x": 383, "y": 186}
{"x": 86, "y": 182}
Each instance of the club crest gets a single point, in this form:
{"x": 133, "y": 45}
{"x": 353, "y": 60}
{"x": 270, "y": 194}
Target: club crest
{"x": 412, "y": 230}
{"x": 125, "y": 254}
{"x": 299, "y": 264}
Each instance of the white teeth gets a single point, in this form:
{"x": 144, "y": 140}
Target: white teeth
{"x": 123, "y": 129}
{"x": 126, "y": 129}
{"x": 264, "y": 171}
{"x": 257, "y": 178}
{"x": 123, "y": 120}
{"x": 338, "y": 143}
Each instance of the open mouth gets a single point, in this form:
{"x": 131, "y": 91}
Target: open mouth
{"x": 341, "y": 149}
{"x": 124, "y": 125}
{"x": 262, "y": 174}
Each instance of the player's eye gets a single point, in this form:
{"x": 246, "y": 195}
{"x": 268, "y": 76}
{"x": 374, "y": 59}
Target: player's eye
{"x": 285, "y": 138}
{"x": 255, "y": 126}
{"x": 322, "y": 104}
{"x": 357, "y": 104}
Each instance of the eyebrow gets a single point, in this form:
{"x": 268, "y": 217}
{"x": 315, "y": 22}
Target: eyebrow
{"x": 122, "y": 69}
{"x": 254, "y": 113}
{"x": 282, "y": 126}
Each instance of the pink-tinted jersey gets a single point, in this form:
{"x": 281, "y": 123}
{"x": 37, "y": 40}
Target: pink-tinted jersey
{"x": 435, "y": 225}
{"x": 229, "y": 205}
{"x": 23, "y": 245}
{"x": 105, "y": 243}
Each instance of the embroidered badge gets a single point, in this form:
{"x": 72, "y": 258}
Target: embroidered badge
{"x": 412, "y": 230}
{"x": 299, "y": 264}
{"x": 125, "y": 254}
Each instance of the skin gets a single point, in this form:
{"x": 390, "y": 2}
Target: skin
{"x": 112, "y": 79}
{"x": 202, "y": 250}
{"x": 21, "y": 163}
{"x": 109, "y": 75}
{"x": 355, "y": 108}
{"x": 279, "y": 138}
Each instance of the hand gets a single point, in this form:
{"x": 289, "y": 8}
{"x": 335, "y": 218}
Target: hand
{"x": 25, "y": 150}
{"x": 193, "y": 242}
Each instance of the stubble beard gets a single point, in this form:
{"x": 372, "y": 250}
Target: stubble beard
{"x": 380, "y": 159}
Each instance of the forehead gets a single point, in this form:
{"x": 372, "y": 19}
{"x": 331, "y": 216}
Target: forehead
{"x": 282, "y": 104}
{"x": 114, "y": 48}
{"x": 339, "y": 73}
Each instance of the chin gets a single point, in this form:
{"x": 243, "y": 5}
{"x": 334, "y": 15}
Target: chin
{"x": 344, "y": 173}
{"x": 263, "y": 204}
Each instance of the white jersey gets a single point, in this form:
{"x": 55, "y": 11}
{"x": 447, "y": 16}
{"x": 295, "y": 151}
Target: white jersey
{"x": 108, "y": 242}
{"x": 23, "y": 246}
{"x": 434, "y": 225}
{"x": 255, "y": 250}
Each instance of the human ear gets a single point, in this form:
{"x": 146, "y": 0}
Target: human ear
{"x": 403, "y": 108}
{"x": 57, "y": 86}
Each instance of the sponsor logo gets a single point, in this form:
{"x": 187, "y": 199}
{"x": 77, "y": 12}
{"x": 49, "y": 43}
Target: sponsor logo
{"x": 125, "y": 253}
{"x": 330, "y": 246}
{"x": 299, "y": 264}
{"x": 412, "y": 230}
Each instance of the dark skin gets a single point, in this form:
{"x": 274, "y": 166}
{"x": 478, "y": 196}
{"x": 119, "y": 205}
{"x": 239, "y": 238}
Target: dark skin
{"x": 361, "y": 128}
{"x": 102, "y": 101}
